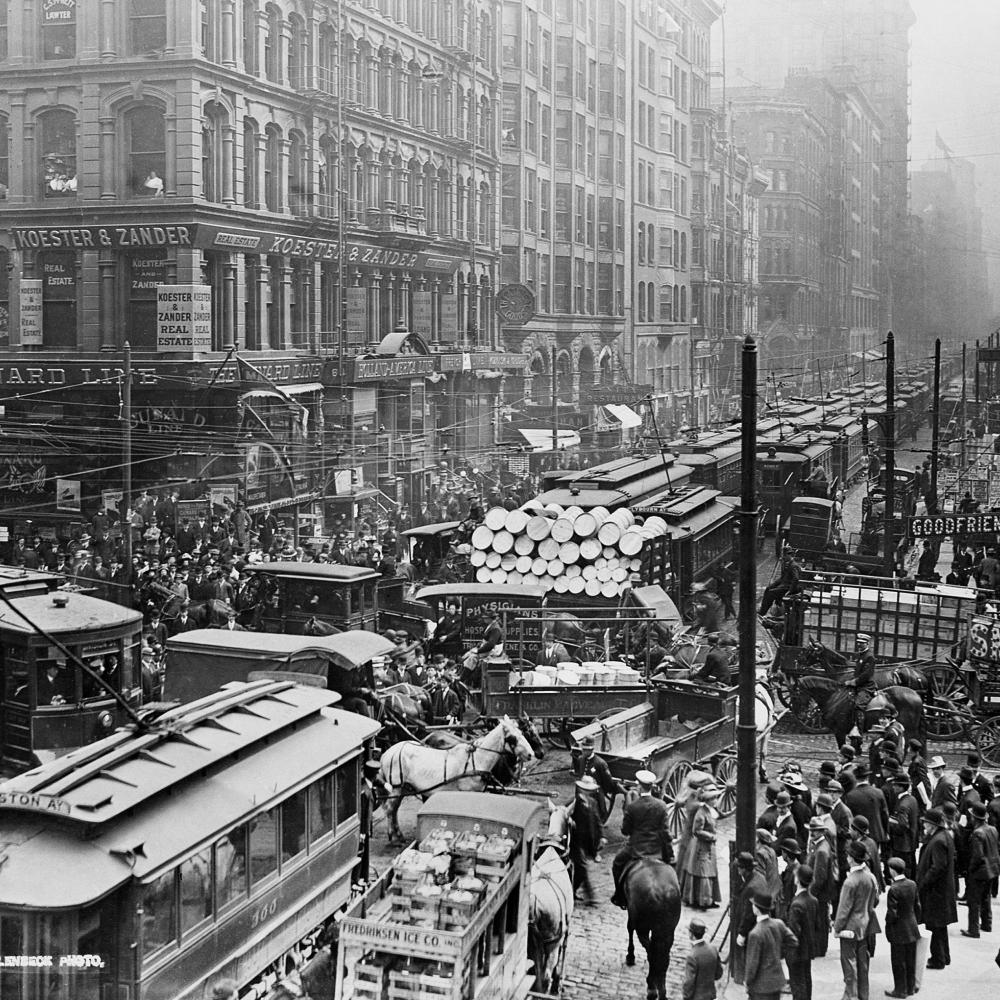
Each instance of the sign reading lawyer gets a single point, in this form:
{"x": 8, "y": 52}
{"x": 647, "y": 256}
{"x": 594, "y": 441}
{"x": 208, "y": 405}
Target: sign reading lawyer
{"x": 183, "y": 318}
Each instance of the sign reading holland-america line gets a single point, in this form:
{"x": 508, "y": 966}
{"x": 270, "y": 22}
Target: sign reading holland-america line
{"x": 938, "y": 525}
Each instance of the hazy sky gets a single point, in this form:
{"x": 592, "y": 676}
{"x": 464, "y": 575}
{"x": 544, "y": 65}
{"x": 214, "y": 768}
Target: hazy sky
{"x": 956, "y": 84}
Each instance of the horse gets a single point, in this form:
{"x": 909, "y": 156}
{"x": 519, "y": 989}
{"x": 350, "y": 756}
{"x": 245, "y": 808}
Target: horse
{"x": 818, "y": 660}
{"x": 411, "y": 768}
{"x": 550, "y": 902}
{"x": 654, "y": 909}
{"x": 317, "y": 627}
{"x": 836, "y": 705}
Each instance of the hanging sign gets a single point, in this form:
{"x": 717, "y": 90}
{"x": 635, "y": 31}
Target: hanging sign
{"x": 30, "y": 315}
{"x": 68, "y": 495}
{"x": 183, "y": 318}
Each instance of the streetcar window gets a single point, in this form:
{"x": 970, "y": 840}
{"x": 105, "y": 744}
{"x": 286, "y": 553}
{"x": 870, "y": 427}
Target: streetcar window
{"x": 159, "y": 914}
{"x": 263, "y": 846}
{"x": 320, "y": 808}
{"x": 196, "y": 889}
{"x": 15, "y": 679}
{"x": 56, "y": 685}
{"x": 369, "y": 592}
{"x": 231, "y": 867}
{"x": 11, "y": 943}
{"x": 347, "y": 791}
{"x": 293, "y": 825}
{"x": 130, "y": 667}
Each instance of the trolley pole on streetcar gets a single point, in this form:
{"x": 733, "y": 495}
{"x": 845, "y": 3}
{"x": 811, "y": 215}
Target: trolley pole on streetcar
{"x": 935, "y": 422}
{"x": 746, "y": 729}
{"x": 890, "y": 455}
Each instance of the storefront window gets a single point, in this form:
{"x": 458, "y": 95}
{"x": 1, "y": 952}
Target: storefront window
{"x": 146, "y": 146}
{"x": 58, "y": 29}
{"x": 58, "y": 161}
{"x": 146, "y": 271}
{"x": 58, "y": 271}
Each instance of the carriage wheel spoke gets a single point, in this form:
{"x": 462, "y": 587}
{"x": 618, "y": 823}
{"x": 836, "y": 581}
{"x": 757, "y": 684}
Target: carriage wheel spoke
{"x": 726, "y": 778}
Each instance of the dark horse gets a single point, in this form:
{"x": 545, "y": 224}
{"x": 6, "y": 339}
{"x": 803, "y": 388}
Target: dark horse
{"x": 654, "y": 908}
{"x": 836, "y": 705}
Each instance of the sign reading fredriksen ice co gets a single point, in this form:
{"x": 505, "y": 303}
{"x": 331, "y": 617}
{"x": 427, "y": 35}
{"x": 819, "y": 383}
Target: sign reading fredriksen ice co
{"x": 183, "y": 318}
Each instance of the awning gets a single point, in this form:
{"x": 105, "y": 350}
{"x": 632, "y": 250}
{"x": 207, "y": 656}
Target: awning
{"x": 279, "y": 392}
{"x": 625, "y": 415}
{"x": 541, "y": 440}
{"x": 301, "y": 498}
{"x": 872, "y": 355}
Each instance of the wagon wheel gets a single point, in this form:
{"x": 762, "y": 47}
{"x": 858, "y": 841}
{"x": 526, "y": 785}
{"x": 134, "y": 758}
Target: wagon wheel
{"x": 780, "y": 687}
{"x": 805, "y": 709}
{"x": 987, "y": 741}
{"x": 726, "y": 778}
{"x": 672, "y": 786}
{"x": 557, "y": 733}
{"x": 946, "y": 691}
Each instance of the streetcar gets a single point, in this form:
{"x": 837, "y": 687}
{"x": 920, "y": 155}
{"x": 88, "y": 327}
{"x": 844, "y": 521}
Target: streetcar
{"x": 217, "y": 842}
{"x": 49, "y": 705}
{"x": 624, "y": 482}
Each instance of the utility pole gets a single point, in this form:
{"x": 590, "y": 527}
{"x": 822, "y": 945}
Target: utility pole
{"x": 936, "y": 420}
{"x": 746, "y": 730}
{"x": 977, "y": 374}
{"x": 962, "y": 426}
{"x": 126, "y": 523}
{"x": 890, "y": 455}
{"x": 555, "y": 411}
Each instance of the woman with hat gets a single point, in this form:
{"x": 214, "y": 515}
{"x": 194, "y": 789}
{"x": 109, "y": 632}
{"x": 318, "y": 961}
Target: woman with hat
{"x": 936, "y": 886}
{"x": 699, "y": 867}
{"x": 690, "y": 803}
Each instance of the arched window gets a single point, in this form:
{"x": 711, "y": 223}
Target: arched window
{"x": 676, "y": 303}
{"x": 298, "y": 51}
{"x": 250, "y": 36}
{"x": 445, "y": 209}
{"x": 299, "y": 187}
{"x": 684, "y": 305}
{"x": 4, "y": 14}
{"x": 650, "y": 301}
{"x": 58, "y": 148}
{"x": 326, "y": 59}
{"x": 640, "y": 305}
{"x": 640, "y": 244}
{"x": 272, "y": 168}
{"x": 666, "y": 297}
{"x": 684, "y": 251}
{"x": 251, "y": 182}
{"x": 485, "y": 217}
{"x": 146, "y": 150}
{"x": 272, "y": 44}
{"x": 147, "y": 26}
{"x": 211, "y": 154}
{"x": 651, "y": 243}
{"x": 417, "y": 187}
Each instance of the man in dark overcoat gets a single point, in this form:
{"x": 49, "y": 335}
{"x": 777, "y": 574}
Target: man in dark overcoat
{"x": 983, "y": 868}
{"x": 936, "y": 886}
{"x": 803, "y": 918}
{"x": 901, "y": 929}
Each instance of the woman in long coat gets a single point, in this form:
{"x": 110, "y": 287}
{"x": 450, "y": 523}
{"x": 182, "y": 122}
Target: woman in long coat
{"x": 701, "y": 871}
{"x": 689, "y": 802}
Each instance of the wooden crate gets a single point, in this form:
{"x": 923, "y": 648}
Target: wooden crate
{"x": 369, "y": 980}
{"x": 424, "y": 911}
{"x": 419, "y": 986}
{"x": 456, "y": 915}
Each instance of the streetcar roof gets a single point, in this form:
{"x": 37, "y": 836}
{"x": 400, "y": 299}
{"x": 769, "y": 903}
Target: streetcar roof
{"x": 80, "y": 613}
{"x": 346, "y": 649}
{"x": 441, "y": 528}
{"x": 507, "y": 810}
{"x": 152, "y": 832}
{"x": 330, "y": 572}
{"x": 481, "y": 590}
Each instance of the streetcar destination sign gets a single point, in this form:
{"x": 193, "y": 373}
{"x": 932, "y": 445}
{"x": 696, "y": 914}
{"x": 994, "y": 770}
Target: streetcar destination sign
{"x": 954, "y": 524}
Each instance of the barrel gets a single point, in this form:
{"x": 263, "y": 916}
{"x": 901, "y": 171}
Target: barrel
{"x": 603, "y": 574}
{"x": 539, "y": 528}
{"x": 498, "y": 576}
{"x": 572, "y": 513}
{"x": 609, "y": 589}
{"x": 561, "y": 585}
{"x": 515, "y": 578}
{"x": 482, "y": 538}
{"x": 573, "y": 570}
{"x": 548, "y": 548}
{"x": 590, "y": 549}
{"x": 496, "y": 518}
{"x": 503, "y": 541}
{"x": 619, "y": 574}
{"x": 576, "y": 584}
{"x": 554, "y": 508}
{"x": 555, "y": 569}
{"x": 569, "y": 552}
{"x": 483, "y": 574}
{"x": 585, "y": 525}
{"x": 523, "y": 564}
{"x": 508, "y": 561}
{"x": 562, "y": 530}
{"x": 592, "y": 588}
{"x": 609, "y": 533}
{"x": 600, "y": 562}
{"x": 539, "y": 566}
{"x": 589, "y": 573}
{"x": 631, "y": 543}
{"x": 516, "y": 521}
{"x": 477, "y": 557}
{"x": 493, "y": 560}
{"x": 656, "y": 524}
{"x": 524, "y": 545}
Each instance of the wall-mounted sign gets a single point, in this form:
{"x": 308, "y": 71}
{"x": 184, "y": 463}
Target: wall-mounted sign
{"x": 410, "y": 366}
{"x": 63, "y": 11}
{"x": 449, "y": 316}
{"x": 184, "y": 318}
{"x": 515, "y": 305}
{"x": 30, "y": 312}
{"x": 939, "y": 525}
{"x": 499, "y": 359}
{"x": 614, "y": 394}
{"x": 68, "y": 495}
{"x": 423, "y": 316}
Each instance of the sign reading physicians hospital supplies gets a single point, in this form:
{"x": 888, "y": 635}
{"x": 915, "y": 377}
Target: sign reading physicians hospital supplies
{"x": 183, "y": 318}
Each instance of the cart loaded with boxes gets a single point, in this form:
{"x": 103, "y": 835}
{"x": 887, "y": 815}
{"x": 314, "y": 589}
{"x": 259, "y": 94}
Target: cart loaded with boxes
{"x": 449, "y": 919}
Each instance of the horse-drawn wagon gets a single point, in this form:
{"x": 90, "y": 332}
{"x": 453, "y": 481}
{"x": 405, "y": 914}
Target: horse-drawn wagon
{"x": 450, "y": 919}
{"x": 684, "y": 726}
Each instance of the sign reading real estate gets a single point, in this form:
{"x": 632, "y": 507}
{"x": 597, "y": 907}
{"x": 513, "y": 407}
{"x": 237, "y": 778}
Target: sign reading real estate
{"x": 183, "y": 318}
{"x": 31, "y": 312}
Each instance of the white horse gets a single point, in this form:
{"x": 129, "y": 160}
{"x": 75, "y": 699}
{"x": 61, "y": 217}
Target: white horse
{"x": 412, "y": 768}
{"x": 550, "y": 905}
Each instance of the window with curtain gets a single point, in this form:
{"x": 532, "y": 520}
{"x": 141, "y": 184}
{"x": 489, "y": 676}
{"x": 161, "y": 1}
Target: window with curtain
{"x": 146, "y": 154}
